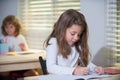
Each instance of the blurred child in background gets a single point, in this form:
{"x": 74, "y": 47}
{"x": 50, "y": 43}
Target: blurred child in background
{"x": 11, "y": 29}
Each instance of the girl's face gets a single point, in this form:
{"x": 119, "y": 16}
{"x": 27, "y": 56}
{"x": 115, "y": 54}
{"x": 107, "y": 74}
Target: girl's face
{"x": 73, "y": 34}
{"x": 10, "y": 29}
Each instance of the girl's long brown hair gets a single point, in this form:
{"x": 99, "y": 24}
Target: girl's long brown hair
{"x": 66, "y": 20}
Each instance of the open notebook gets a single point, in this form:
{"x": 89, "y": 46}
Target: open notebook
{"x": 72, "y": 77}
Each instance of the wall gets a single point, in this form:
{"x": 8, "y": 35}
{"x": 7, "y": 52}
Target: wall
{"x": 94, "y": 12}
{"x": 95, "y": 16}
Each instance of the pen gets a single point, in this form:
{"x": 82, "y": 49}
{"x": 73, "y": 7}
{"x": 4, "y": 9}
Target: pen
{"x": 81, "y": 61}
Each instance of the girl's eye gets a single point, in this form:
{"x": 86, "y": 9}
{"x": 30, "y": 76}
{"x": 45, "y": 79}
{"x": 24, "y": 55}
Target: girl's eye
{"x": 72, "y": 34}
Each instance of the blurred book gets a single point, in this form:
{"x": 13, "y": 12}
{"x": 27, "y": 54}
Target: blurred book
{"x": 112, "y": 70}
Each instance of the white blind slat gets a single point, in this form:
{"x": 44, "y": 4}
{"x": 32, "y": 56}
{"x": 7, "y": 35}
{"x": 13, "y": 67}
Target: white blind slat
{"x": 113, "y": 29}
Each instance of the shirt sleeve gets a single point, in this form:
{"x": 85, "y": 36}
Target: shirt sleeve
{"x": 91, "y": 66}
{"x": 24, "y": 41}
{"x": 51, "y": 58}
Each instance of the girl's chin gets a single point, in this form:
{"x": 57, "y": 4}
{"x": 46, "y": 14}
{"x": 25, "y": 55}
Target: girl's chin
{"x": 71, "y": 44}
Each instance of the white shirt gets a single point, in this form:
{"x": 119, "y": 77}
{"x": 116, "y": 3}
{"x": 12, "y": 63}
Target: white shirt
{"x": 13, "y": 42}
{"x": 56, "y": 64}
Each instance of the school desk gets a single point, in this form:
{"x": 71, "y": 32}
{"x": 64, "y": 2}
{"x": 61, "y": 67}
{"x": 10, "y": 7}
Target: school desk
{"x": 20, "y": 62}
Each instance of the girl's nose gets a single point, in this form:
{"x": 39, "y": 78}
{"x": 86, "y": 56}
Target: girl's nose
{"x": 76, "y": 38}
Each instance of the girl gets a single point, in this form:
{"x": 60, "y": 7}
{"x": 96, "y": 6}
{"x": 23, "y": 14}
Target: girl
{"x": 67, "y": 49}
{"x": 11, "y": 28}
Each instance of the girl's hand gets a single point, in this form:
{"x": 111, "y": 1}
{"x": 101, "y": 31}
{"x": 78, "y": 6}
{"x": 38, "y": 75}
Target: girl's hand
{"x": 22, "y": 46}
{"x": 81, "y": 70}
{"x": 99, "y": 70}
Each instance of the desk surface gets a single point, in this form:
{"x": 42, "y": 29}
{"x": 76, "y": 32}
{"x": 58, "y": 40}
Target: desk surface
{"x": 111, "y": 77}
{"x": 20, "y": 62}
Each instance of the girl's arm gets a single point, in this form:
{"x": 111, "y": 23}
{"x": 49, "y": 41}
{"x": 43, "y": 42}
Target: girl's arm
{"x": 23, "y": 47}
{"x": 51, "y": 60}
{"x": 23, "y": 44}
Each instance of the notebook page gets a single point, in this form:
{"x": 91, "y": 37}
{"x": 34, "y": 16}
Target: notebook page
{"x": 71, "y": 77}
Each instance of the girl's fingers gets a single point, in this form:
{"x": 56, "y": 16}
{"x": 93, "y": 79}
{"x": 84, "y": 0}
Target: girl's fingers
{"x": 85, "y": 71}
{"x": 99, "y": 70}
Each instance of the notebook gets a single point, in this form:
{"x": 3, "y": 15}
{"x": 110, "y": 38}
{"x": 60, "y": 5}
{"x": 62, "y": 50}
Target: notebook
{"x": 72, "y": 77}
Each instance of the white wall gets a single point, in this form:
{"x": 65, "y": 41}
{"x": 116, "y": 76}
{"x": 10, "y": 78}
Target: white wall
{"x": 94, "y": 12}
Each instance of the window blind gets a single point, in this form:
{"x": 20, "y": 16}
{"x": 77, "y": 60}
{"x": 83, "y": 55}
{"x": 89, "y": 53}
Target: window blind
{"x": 38, "y": 17}
{"x": 113, "y": 31}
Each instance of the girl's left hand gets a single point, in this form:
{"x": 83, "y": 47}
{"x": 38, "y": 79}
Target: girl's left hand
{"x": 99, "y": 70}
{"x": 22, "y": 46}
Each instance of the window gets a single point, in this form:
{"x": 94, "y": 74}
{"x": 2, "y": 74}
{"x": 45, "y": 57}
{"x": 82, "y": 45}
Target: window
{"x": 113, "y": 31}
{"x": 38, "y": 17}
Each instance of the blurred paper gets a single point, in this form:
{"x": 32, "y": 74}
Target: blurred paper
{"x": 72, "y": 77}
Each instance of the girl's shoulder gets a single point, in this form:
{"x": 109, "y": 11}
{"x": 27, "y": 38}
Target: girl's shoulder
{"x": 53, "y": 40}
{"x": 20, "y": 35}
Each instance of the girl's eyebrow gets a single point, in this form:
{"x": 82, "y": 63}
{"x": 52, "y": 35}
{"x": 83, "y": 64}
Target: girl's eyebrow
{"x": 75, "y": 32}
{"x": 72, "y": 30}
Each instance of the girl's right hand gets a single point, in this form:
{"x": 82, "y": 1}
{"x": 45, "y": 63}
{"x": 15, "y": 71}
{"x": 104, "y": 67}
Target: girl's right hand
{"x": 23, "y": 47}
{"x": 81, "y": 70}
